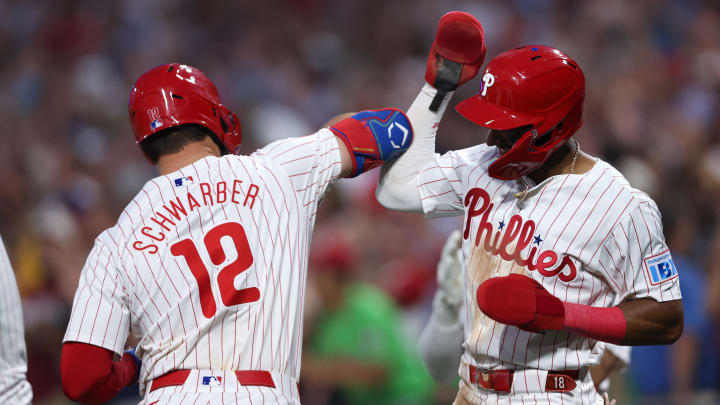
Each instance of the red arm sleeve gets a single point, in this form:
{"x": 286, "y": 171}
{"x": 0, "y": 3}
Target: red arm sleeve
{"x": 89, "y": 374}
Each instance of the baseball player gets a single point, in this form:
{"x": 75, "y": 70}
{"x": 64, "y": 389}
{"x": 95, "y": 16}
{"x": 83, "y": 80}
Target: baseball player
{"x": 14, "y": 387}
{"x": 560, "y": 253}
{"x": 207, "y": 264}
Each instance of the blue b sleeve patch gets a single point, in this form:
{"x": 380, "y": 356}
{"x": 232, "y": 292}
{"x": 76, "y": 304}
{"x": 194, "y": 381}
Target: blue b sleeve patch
{"x": 660, "y": 267}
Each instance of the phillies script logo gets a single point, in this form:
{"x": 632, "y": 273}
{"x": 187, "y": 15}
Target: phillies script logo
{"x": 515, "y": 232}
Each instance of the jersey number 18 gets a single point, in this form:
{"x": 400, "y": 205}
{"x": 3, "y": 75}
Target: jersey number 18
{"x": 226, "y": 277}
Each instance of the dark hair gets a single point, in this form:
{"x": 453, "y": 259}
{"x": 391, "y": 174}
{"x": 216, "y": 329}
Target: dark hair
{"x": 172, "y": 140}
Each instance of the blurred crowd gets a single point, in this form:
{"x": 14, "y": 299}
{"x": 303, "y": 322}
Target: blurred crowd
{"x": 68, "y": 163}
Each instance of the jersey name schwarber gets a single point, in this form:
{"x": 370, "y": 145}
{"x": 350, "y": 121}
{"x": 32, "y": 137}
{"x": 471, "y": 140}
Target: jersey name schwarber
{"x": 181, "y": 206}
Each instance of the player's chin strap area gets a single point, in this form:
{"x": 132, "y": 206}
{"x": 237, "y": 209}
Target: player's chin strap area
{"x": 374, "y": 136}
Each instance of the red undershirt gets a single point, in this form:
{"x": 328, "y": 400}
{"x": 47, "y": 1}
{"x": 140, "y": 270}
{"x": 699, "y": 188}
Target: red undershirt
{"x": 89, "y": 374}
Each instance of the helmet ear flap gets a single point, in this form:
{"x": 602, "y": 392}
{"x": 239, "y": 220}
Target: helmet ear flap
{"x": 563, "y": 129}
{"x": 566, "y": 127}
{"x": 543, "y": 139}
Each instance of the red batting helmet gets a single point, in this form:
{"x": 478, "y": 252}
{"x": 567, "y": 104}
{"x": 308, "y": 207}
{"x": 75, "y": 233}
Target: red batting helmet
{"x": 171, "y": 95}
{"x": 533, "y": 85}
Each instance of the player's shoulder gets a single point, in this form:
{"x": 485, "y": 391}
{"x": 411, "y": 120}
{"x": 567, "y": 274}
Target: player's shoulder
{"x": 238, "y": 165}
{"x": 282, "y": 149}
{"x": 111, "y": 239}
{"x": 618, "y": 185}
{"x": 474, "y": 155}
{"x": 469, "y": 158}
{"x": 142, "y": 200}
{"x": 619, "y": 181}
{"x": 133, "y": 215}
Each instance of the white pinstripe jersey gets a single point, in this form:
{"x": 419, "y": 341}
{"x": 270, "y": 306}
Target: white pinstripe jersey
{"x": 207, "y": 265}
{"x": 14, "y": 387}
{"x": 587, "y": 238}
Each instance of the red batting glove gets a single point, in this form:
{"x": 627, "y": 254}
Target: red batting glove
{"x": 456, "y": 55}
{"x": 521, "y": 301}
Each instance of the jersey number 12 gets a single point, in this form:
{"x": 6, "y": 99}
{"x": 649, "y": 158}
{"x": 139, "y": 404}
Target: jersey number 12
{"x": 226, "y": 277}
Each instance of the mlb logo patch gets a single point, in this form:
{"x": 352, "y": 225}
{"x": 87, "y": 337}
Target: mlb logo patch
{"x": 155, "y": 124}
{"x": 660, "y": 268}
{"x": 212, "y": 380}
{"x": 183, "y": 181}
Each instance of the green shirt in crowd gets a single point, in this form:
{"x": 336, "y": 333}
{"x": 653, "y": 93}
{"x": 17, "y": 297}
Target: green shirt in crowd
{"x": 367, "y": 327}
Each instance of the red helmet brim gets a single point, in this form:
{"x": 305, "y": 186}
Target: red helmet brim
{"x": 487, "y": 115}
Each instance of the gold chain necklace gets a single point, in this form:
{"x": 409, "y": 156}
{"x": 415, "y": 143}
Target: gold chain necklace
{"x": 577, "y": 149}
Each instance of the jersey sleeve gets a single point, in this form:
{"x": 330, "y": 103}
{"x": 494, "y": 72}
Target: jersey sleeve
{"x": 311, "y": 162}
{"x": 100, "y": 315}
{"x": 439, "y": 186}
{"x": 636, "y": 260}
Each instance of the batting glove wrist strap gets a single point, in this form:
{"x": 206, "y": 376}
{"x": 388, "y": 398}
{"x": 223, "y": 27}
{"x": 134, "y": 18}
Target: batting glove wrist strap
{"x": 456, "y": 54}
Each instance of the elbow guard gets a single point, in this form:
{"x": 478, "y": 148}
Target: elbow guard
{"x": 374, "y": 136}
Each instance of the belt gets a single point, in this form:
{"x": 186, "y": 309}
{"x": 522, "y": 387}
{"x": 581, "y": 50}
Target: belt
{"x": 244, "y": 377}
{"x": 501, "y": 380}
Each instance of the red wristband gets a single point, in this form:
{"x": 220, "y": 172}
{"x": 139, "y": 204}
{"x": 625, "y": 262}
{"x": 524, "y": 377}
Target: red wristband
{"x": 604, "y": 324}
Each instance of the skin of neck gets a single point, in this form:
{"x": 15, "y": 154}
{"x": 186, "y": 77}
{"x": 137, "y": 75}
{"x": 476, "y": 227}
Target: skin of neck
{"x": 191, "y": 153}
{"x": 560, "y": 162}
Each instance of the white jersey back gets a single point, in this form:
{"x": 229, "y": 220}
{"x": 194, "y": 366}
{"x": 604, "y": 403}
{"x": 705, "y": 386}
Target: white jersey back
{"x": 14, "y": 387}
{"x": 207, "y": 265}
{"x": 588, "y": 238}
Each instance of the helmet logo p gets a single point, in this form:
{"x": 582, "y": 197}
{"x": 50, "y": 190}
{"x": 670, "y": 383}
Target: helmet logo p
{"x": 488, "y": 81}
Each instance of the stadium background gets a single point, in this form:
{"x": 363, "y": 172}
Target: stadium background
{"x": 68, "y": 163}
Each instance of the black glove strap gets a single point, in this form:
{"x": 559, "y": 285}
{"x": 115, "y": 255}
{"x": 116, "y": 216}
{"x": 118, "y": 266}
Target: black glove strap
{"x": 447, "y": 78}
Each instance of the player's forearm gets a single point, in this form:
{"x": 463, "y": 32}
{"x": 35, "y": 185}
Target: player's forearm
{"x": 652, "y": 323}
{"x": 397, "y": 188}
{"x": 89, "y": 374}
{"x": 639, "y": 322}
